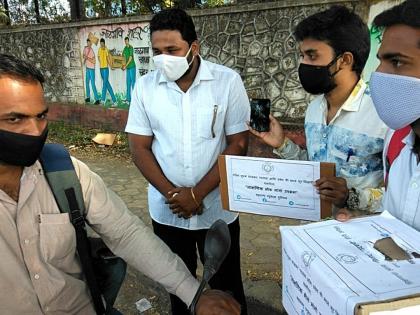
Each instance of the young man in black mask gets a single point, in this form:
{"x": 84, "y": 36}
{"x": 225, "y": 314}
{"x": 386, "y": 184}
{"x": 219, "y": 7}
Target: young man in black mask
{"x": 341, "y": 124}
{"x": 41, "y": 271}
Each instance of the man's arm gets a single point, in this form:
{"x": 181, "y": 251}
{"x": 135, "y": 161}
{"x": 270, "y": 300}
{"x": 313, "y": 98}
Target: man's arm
{"x": 144, "y": 159}
{"x": 129, "y": 238}
{"x": 237, "y": 114}
{"x": 183, "y": 202}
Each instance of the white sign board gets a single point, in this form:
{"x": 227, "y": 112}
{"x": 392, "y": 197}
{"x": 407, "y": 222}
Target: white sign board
{"x": 329, "y": 267}
{"x": 273, "y": 187}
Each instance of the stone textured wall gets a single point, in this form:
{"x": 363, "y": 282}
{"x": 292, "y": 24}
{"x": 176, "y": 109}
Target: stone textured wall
{"x": 254, "y": 39}
{"x": 260, "y": 46}
{"x": 56, "y": 52}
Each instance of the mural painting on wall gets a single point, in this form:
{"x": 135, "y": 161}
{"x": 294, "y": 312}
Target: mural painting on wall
{"x": 114, "y": 57}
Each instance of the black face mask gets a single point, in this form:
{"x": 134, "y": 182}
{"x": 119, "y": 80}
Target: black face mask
{"x": 317, "y": 79}
{"x": 19, "y": 149}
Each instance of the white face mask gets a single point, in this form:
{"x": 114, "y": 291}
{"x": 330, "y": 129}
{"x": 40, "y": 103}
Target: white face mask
{"x": 396, "y": 98}
{"x": 173, "y": 67}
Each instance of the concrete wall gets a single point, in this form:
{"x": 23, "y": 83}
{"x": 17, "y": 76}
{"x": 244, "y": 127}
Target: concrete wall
{"x": 55, "y": 50}
{"x": 255, "y": 39}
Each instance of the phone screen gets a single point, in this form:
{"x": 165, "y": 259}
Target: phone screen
{"x": 260, "y": 110}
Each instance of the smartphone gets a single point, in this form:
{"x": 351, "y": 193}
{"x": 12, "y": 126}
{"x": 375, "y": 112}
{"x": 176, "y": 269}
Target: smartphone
{"x": 260, "y": 111}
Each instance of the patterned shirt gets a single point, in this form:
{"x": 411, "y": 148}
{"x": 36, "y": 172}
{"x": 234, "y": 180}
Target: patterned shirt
{"x": 353, "y": 140}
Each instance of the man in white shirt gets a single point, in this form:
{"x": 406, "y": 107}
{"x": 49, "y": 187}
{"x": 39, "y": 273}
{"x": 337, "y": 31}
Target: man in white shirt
{"x": 41, "y": 271}
{"x": 396, "y": 94}
{"x": 341, "y": 124}
{"x": 182, "y": 116}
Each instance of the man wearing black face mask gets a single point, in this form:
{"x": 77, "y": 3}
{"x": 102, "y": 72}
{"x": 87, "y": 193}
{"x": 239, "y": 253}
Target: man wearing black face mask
{"x": 41, "y": 272}
{"x": 341, "y": 124}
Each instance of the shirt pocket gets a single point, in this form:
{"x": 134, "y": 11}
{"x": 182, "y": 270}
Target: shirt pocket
{"x": 210, "y": 120}
{"x": 57, "y": 239}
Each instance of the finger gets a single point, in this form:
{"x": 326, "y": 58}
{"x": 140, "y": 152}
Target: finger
{"x": 337, "y": 198}
{"x": 254, "y": 132}
{"x": 332, "y": 186}
{"x": 174, "y": 190}
{"x": 176, "y": 210}
{"x": 327, "y": 198}
{"x": 174, "y": 206}
{"x": 343, "y": 215}
{"x": 332, "y": 179}
{"x": 272, "y": 119}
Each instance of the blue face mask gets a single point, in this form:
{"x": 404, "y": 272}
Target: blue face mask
{"x": 396, "y": 98}
{"x": 19, "y": 149}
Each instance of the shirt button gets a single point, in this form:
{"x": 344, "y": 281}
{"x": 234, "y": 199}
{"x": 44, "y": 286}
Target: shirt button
{"x": 36, "y": 276}
{"x": 26, "y": 242}
{"x": 324, "y": 135}
{"x": 414, "y": 185}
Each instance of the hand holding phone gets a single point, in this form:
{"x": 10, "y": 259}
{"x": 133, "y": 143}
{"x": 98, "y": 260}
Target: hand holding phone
{"x": 260, "y": 112}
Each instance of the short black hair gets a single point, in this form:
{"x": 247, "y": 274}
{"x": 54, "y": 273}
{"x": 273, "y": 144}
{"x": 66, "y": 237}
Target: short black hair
{"x": 20, "y": 69}
{"x": 102, "y": 40}
{"x": 407, "y": 13}
{"x": 127, "y": 39}
{"x": 340, "y": 28}
{"x": 174, "y": 19}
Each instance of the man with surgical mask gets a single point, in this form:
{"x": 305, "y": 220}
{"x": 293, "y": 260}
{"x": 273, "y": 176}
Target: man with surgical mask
{"x": 182, "y": 116}
{"x": 341, "y": 124}
{"x": 41, "y": 271}
{"x": 395, "y": 88}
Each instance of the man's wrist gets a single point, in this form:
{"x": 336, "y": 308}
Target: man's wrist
{"x": 353, "y": 200}
{"x": 279, "y": 149}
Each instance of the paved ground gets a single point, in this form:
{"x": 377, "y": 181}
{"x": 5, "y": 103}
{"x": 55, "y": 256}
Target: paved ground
{"x": 260, "y": 247}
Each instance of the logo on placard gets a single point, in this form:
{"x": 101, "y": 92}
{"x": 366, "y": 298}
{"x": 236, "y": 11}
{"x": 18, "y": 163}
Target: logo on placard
{"x": 308, "y": 258}
{"x": 267, "y": 167}
{"x": 347, "y": 259}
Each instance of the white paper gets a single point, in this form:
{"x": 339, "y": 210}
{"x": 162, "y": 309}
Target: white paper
{"x": 273, "y": 187}
{"x": 329, "y": 267}
{"x": 143, "y": 305}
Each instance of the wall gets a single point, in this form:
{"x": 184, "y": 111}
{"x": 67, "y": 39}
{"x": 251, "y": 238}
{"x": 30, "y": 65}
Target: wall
{"x": 375, "y": 35}
{"x": 54, "y": 50}
{"x": 254, "y": 39}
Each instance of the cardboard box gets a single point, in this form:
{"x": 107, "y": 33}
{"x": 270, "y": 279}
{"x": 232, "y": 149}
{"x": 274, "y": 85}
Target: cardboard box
{"x": 400, "y": 304}
{"x": 333, "y": 268}
{"x": 117, "y": 62}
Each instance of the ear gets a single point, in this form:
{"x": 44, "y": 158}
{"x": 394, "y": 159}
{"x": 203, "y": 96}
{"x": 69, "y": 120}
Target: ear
{"x": 347, "y": 61}
{"x": 195, "y": 48}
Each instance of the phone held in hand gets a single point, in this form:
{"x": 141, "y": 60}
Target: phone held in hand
{"x": 260, "y": 111}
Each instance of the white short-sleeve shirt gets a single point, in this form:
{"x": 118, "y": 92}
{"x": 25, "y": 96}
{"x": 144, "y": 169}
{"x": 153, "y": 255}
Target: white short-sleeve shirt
{"x": 189, "y": 132}
{"x": 402, "y": 197}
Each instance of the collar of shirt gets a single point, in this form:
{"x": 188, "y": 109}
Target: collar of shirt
{"x": 352, "y": 103}
{"x": 410, "y": 139}
{"x": 203, "y": 74}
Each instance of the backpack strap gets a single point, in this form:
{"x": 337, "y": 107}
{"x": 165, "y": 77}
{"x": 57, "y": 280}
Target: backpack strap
{"x": 65, "y": 185}
{"x": 395, "y": 146}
